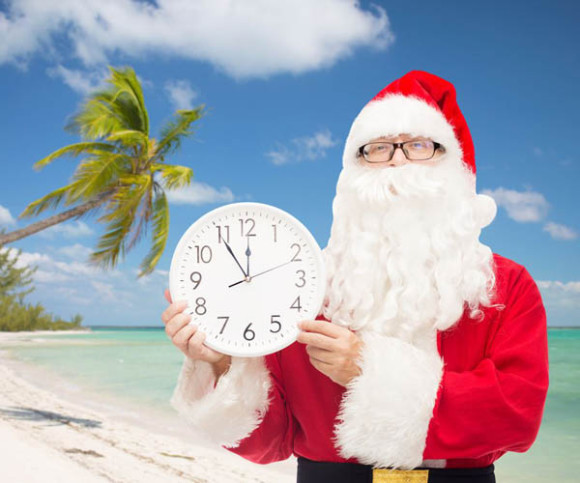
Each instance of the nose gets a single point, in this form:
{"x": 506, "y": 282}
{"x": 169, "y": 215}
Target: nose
{"x": 398, "y": 158}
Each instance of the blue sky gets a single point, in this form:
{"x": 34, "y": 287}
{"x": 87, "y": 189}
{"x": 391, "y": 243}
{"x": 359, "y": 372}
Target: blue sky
{"x": 282, "y": 83}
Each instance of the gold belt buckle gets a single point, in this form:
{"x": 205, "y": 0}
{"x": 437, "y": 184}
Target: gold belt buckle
{"x": 382, "y": 475}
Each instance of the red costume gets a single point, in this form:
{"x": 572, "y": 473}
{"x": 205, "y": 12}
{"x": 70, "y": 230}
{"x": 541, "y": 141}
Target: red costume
{"x": 490, "y": 399}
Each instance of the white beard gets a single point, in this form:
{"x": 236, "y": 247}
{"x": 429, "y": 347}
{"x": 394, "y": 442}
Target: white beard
{"x": 404, "y": 256}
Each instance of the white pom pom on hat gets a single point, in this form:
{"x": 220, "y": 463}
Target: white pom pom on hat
{"x": 485, "y": 209}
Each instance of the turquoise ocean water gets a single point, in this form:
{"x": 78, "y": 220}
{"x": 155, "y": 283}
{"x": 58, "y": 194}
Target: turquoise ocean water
{"x": 140, "y": 366}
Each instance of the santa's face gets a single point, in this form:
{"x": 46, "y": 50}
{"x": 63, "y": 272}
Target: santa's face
{"x": 404, "y": 256}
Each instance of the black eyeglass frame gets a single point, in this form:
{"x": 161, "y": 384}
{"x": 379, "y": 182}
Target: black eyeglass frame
{"x": 360, "y": 152}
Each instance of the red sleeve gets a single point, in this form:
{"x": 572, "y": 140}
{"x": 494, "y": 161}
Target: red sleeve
{"x": 498, "y": 405}
{"x": 273, "y": 439}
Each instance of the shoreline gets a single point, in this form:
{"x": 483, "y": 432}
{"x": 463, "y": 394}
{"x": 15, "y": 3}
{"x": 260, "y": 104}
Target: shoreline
{"x": 53, "y": 434}
{"x": 29, "y": 333}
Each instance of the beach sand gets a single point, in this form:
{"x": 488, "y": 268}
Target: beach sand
{"x": 47, "y": 437}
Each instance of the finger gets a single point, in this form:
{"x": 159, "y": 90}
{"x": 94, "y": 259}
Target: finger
{"x": 167, "y": 295}
{"x": 182, "y": 336}
{"x": 176, "y": 324}
{"x": 322, "y": 327}
{"x": 195, "y": 344}
{"x": 317, "y": 340}
{"x": 174, "y": 309}
{"x": 205, "y": 353}
{"x": 320, "y": 366}
{"x": 320, "y": 355}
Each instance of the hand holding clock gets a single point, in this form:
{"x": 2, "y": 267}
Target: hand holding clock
{"x": 333, "y": 350}
{"x": 188, "y": 339}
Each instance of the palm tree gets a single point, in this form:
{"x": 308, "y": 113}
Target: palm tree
{"x": 122, "y": 172}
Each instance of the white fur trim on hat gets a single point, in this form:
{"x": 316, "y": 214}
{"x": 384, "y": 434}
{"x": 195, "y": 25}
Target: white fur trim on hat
{"x": 385, "y": 412}
{"x": 234, "y": 408}
{"x": 397, "y": 114}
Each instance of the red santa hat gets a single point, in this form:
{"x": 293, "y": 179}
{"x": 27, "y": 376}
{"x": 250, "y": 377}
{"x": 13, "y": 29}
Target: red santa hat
{"x": 418, "y": 104}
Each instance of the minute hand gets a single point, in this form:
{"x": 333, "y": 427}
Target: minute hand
{"x": 261, "y": 273}
{"x": 232, "y": 254}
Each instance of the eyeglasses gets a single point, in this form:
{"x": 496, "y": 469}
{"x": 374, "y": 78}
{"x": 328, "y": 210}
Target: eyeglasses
{"x": 417, "y": 150}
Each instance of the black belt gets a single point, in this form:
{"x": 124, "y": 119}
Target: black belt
{"x": 321, "y": 472}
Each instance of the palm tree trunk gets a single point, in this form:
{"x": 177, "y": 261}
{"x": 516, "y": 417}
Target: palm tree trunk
{"x": 53, "y": 220}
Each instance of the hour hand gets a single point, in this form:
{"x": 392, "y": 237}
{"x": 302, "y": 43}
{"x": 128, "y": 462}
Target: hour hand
{"x": 234, "y": 257}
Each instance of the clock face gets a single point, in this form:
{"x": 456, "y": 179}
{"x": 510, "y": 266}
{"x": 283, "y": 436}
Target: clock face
{"x": 249, "y": 272}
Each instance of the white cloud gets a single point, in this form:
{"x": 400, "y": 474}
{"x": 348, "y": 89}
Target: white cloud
{"x": 156, "y": 276}
{"x": 244, "y": 39}
{"x": 181, "y": 94}
{"x": 538, "y": 151}
{"x": 76, "y": 268}
{"x": 78, "y": 80}
{"x": 521, "y": 206}
{"x": 50, "y": 277}
{"x": 200, "y": 194}
{"x": 5, "y": 217}
{"x": 105, "y": 290}
{"x": 561, "y": 298}
{"x": 75, "y": 229}
{"x": 560, "y": 232}
{"x": 75, "y": 282}
{"x": 76, "y": 251}
{"x": 50, "y": 270}
{"x": 27, "y": 258}
{"x": 72, "y": 294}
{"x": 307, "y": 148}
{"x": 568, "y": 287}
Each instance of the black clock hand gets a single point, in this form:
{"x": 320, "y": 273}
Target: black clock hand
{"x": 261, "y": 273}
{"x": 248, "y": 253}
{"x": 232, "y": 254}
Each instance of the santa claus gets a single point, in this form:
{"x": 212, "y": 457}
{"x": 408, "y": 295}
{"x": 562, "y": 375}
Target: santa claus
{"x": 434, "y": 363}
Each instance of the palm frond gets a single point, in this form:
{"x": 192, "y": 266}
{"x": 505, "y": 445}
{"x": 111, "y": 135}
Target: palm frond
{"x": 51, "y": 200}
{"x": 128, "y": 196}
{"x": 128, "y": 138}
{"x": 143, "y": 216}
{"x": 111, "y": 245}
{"x": 75, "y": 150}
{"x": 121, "y": 217}
{"x": 97, "y": 118}
{"x": 126, "y": 82}
{"x": 160, "y": 233}
{"x": 95, "y": 175}
{"x": 173, "y": 176}
{"x": 141, "y": 180}
{"x": 175, "y": 130}
{"x": 119, "y": 106}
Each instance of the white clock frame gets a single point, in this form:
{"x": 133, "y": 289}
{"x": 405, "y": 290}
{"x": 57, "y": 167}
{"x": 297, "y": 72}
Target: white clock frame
{"x": 285, "y": 260}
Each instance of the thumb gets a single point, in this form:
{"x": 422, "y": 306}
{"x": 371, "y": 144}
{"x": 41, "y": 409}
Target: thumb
{"x": 167, "y": 295}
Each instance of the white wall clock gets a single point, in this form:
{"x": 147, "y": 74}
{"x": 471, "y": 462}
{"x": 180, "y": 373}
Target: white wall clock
{"x": 249, "y": 272}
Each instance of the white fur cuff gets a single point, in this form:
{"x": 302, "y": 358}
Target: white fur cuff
{"x": 230, "y": 411}
{"x": 385, "y": 412}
